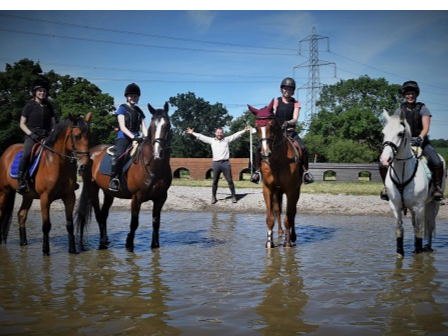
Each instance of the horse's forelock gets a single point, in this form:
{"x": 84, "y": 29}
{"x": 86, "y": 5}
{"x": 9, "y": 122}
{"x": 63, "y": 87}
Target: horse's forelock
{"x": 395, "y": 126}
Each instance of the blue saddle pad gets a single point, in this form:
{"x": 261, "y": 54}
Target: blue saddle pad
{"x": 14, "y": 169}
{"x": 106, "y": 163}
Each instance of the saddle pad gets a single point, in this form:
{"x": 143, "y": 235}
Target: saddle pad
{"x": 106, "y": 164}
{"x": 14, "y": 169}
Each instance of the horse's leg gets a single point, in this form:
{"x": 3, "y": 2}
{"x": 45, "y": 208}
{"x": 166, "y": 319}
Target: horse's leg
{"x": 22, "y": 216}
{"x": 69, "y": 203}
{"x": 277, "y": 203}
{"x": 101, "y": 218}
{"x": 418, "y": 219}
{"x": 156, "y": 212}
{"x": 430, "y": 224}
{"x": 135, "y": 210}
{"x": 399, "y": 231}
{"x": 270, "y": 220}
{"x": 46, "y": 224}
{"x": 291, "y": 210}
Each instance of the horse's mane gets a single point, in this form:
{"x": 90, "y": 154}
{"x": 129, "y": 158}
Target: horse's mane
{"x": 62, "y": 125}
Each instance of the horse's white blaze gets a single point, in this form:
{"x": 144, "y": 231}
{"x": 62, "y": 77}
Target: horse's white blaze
{"x": 157, "y": 147}
{"x": 264, "y": 143}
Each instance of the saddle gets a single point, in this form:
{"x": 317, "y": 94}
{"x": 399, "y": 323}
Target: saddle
{"x": 36, "y": 153}
{"x": 129, "y": 154}
{"x": 297, "y": 150}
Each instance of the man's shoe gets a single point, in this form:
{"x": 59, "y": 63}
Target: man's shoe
{"x": 438, "y": 194}
{"x": 308, "y": 178}
{"x": 383, "y": 194}
{"x": 255, "y": 178}
{"x": 234, "y": 199}
{"x": 214, "y": 200}
{"x": 22, "y": 187}
{"x": 114, "y": 184}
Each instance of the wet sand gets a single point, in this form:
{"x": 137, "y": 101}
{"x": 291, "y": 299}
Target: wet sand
{"x": 250, "y": 200}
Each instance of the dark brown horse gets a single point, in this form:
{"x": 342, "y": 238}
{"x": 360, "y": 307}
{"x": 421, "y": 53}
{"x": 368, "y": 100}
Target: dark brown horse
{"x": 281, "y": 174}
{"x": 147, "y": 178}
{"x": 64, "y": 152}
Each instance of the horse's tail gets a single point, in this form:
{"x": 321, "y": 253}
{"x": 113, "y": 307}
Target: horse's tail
{"x": 83, "y": 213}
{"x": 6, "y": 217}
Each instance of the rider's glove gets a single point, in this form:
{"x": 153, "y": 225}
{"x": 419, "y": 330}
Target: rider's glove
{"x": 138, "y": 139}
{"x": 417, "y": 141}
{"x": 285, "y": 125}
{"x": 34, "y": 136}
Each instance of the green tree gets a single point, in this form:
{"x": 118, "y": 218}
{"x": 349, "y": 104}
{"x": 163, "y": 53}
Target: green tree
{"x": 67, "y": 95}
{"x": 352, "y": 110}
{"x": 200, "y": 115}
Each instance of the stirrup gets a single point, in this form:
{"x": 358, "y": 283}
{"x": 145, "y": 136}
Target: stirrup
{"x": 22, "y": 187}
{"x": 114, "y": 184}
{"x": 438, "y": 197}
{"x": 307, "y": 178}
{"x": 256, "y": 177}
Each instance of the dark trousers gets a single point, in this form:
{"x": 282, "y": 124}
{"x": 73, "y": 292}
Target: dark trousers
{"x": 222, "y": 167}
{"x": 117, "y": 162}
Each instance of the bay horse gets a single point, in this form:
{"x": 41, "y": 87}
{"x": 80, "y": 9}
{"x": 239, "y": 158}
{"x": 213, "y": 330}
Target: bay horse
{"x": 63, "y": 154}
{"x": 147, "y": 178}
{"x": 281, "y": 174}
{"x": 408, "y": 184}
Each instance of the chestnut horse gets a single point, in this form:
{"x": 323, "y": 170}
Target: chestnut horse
{"x": 64, "y": 152}
{"x": 281, "y": 174}
{"x": 148, "y": 178}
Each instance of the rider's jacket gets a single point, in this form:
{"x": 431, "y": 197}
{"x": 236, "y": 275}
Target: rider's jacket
{"x": 38, "y": 117}
{"x": 133, "y": 118}
{"x": 413, "y": 118}
{"x": 284, "y": 111}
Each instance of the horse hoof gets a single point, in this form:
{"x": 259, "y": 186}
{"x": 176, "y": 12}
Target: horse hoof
{"x": 102, "y": 247}
{"x": 270, "y": 245}
{"x": 400, "y": 256}
{"x": 24, "y": 243}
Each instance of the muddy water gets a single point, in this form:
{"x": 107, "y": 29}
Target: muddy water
{"x": 212, "y": 276}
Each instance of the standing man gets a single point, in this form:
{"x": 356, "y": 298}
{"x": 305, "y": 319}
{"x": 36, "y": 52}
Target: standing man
{"x": 221, "y": 153}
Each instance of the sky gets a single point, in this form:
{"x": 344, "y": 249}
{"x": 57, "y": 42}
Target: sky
{"x": 234, "y": 57}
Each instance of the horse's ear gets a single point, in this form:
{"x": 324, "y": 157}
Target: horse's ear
{"x": 72, "y": 118}
{"x": 386, "y": 115}
{"x": 166, "y": 107}
{"x": 151, "y": 109}
{"x": 271, "y": 105}
{"x": 88, "y": 117}
{"x": 252, "y": 109}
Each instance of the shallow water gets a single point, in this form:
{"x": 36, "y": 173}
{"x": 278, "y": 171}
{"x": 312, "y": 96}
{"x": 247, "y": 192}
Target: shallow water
{"x": 212, "y": 275}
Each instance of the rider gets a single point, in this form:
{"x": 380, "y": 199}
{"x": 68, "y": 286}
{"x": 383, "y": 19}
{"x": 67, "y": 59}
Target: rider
{"x": 36, "y": 121}
{"x": 130, "y": 119}
{"x": 287, "y": 110}
{"x": 418, "y": 117}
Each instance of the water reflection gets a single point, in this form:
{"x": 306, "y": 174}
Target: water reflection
{"x": 212, "y": 275}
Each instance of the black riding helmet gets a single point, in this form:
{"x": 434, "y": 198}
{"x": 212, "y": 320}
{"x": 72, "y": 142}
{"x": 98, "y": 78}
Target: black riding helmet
{"x": 40, "y": 83}
{"x": 410, "y": 86}
{"x": 289, "y": 82}
{"x": 132, "y": 89}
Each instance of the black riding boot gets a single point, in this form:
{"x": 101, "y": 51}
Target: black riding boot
{"x": 22, "y": 184}
{"x": 307, "y": 176}
{"x": 383, "y": 174}
{"x": 438, "y": 177}
{"x": 256, "y": 176}
{"x": 114, "y": 183}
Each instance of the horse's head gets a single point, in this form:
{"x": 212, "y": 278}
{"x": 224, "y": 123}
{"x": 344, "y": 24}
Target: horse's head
{"x": 159, "y": 131}
{"x": 78, "y": 140}
{"x": 70, "y": 139}
{"x": 396, "y": 137}
{"x": 267, "y": 126}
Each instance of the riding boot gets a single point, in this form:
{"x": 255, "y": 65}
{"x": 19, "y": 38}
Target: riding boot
{"x": 438, "y": 177}
{"x": 307, "y": 176}
{"x": 114, "y": 183}
{"x": 22, "y": 184}
{"x": 256, "y": 176}
{"x": 383, "y": 174}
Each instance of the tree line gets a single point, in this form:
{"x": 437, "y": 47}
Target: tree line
{"x": 346, "y": 127}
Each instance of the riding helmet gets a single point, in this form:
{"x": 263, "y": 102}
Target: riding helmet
{"x": 289, "y": 82}
{"x": 40, "y": 83}
{"x": 410, "y": 86}
{"x": 132, "y": 89}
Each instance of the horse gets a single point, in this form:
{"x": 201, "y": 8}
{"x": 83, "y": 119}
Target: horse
{"x": 281, "y": 174}
{"x": 63, "y": 155}
{"x": 147, "y": 178}
{"x": 408, "y": 184}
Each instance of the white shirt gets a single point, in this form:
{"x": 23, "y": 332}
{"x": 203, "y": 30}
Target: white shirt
{"x": 220, "y": 148}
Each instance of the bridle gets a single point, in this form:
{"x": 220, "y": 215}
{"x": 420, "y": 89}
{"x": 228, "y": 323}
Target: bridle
{"x": 270, "y": 140}
{"x": 73, "y": 157}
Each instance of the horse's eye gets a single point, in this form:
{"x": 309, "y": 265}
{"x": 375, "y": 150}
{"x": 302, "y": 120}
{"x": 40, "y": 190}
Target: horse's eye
{"x": 77, "y": 137}
{"x": 401, "y": 134}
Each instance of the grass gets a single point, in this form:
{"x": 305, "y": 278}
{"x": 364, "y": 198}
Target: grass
{"x": 334, "y": 188}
